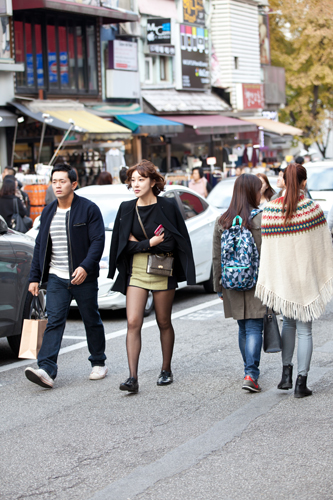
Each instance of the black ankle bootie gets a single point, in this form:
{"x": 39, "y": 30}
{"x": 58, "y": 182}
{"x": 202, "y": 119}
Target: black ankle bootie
{"x": 131, "y": 385}
{"x": 301, "y": 391}
{"x": 287, "y": 378}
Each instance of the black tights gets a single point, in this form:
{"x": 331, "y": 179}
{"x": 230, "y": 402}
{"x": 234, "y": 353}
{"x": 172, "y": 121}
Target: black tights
{"x": 136, "y": 299}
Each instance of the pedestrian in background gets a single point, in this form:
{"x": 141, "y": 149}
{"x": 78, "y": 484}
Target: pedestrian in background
{"x": 8, "y": 200}
{"x": 67, "y": 252}
{"x": 104, "y": 178}
{"x": 199, "y": 182}
{"x": 266, "y": 190}
{"x": 280, "y": 185}
{"x": 296, "y": 271}
{"x": 19, "y": 192}
{"x": 242, "y": 305}
{"x": 123, "y": 175}
{"x": 133, "y": 240}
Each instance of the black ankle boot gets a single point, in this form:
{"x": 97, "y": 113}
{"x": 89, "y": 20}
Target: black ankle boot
{"x": 287, "y": 378}
{"x": 301, "y": 391}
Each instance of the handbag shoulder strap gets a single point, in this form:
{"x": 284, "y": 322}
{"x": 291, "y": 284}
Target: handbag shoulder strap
{"x": 140, "y": 221}
{"x": 16, "y": 208}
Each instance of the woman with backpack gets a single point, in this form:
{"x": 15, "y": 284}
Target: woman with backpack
{"x": 296, "y": 271}
{"x": 241, "y": 304}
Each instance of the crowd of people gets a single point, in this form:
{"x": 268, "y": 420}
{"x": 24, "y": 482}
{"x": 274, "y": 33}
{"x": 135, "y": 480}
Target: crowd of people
{"x": 289, "y": 230}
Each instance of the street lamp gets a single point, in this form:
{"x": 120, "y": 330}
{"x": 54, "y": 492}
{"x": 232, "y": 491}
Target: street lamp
{"x": 46, "y": 119}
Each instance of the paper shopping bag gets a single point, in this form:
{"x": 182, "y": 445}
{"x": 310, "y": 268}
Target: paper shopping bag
{"x": 32, "y": 337}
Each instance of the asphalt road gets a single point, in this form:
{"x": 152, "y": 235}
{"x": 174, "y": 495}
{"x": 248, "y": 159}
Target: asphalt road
{"x": 202, "y": 437}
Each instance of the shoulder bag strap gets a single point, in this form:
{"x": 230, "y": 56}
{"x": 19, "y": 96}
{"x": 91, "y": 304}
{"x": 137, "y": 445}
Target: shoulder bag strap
{"x": 16, "y": 208}
{"x": 140, "y": 221}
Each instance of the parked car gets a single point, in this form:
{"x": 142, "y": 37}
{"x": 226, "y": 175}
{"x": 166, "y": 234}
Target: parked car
{"x": 220, "y": 196}
{"x": 16, "y": 251}
{"x": 199, "y": 217}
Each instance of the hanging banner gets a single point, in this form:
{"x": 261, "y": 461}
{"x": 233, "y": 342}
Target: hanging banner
{"x": 194, "y": 57}
{"x": 194, "y": 12}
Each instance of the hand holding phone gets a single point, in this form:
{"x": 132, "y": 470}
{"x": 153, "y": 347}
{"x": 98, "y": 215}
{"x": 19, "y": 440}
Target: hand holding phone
{"x": 159, "y": 230}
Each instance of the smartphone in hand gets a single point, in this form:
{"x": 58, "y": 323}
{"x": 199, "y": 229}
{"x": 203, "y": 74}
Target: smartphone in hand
{"x": 159, "y": 230}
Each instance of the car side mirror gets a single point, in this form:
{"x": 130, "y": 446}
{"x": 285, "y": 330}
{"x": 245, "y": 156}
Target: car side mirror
{"x": 3, "y": 226}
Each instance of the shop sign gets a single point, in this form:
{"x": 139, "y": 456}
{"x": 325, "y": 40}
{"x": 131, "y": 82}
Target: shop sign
{"x": 194, "y": 12}
{"x": 123, "y": 55}
{"x": 158, "y": 31}
{"x": 194, "y": 57}
{"x": 253, "y": 96}
{"x": 164, "y": 50}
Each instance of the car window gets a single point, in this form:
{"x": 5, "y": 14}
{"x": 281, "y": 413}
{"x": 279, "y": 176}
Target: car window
{"x": 320, "y": 179}
{"x": 221, "y": 194}
{"x": 192, "y": 204}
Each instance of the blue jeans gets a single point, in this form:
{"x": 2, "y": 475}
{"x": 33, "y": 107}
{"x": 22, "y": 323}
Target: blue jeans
{"x": 304, "y": 348}
{"x": 59, "y": 296}
{"x": 250, "y": 341}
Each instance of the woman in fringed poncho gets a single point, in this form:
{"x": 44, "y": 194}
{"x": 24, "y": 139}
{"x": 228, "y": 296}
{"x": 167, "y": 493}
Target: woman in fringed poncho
{"x": 296, "y": 271}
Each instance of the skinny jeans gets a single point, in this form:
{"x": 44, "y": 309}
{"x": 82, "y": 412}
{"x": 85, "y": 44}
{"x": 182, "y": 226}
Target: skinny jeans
{"x": 250, "y": 342}
{"x": 305, "y": 345}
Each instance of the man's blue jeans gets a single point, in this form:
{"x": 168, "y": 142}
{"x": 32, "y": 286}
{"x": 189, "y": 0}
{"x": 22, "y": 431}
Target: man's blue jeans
{"x": 59, "y": 296}
{"x": 250, "y": 342}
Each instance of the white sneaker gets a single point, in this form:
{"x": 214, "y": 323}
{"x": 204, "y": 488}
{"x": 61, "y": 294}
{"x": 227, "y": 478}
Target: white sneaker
{"x": 98, "y": 372}
{"x": 39, "y": 377}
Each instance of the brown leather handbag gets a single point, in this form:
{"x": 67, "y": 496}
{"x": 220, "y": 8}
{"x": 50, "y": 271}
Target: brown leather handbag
{"x": 160, "y": 264}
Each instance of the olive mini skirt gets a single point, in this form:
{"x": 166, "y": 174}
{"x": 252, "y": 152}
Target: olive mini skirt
{"x": 138, "y": 276}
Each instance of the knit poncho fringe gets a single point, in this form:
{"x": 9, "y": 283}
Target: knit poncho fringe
{"x": 296, "y": 263}
{"x": 289, "y": 309}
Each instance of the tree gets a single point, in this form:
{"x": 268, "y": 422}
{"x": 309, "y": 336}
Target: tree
{"x": 301, "y": 42}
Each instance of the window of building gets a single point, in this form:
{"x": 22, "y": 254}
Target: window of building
{"x": 236, "y": 62}
{"x": 59, "y": 54}
{"x": 163, "y": 68}
{"x": 149, "y": 70}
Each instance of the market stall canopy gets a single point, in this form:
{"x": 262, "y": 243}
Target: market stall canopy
{"x": 62, "y": 113}
{"x": 7, "y": 119}
{"x": 172, "y": 101}
{"x": 213, "y": 124}
{"x": 99, "y": 8}
{"x": 142, "y": 123}
{"x": 275, "y": 127}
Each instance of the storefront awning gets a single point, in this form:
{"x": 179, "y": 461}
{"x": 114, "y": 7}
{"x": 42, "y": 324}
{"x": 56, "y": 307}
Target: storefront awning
{"x": 172, "y": 101}
{"x": 213, "y": 124}
{"x": 162, "y": 8}
{"x": 7, "y": 119}
{"x": 275, "y": 127}
{"x": 143, "y": 123}
{"x": 94, "y": 8}
{"x": 61, "y": 117}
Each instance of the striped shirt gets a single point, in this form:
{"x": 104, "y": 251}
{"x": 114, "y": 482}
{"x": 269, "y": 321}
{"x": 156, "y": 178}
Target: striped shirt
{"x": 59, "y": 256}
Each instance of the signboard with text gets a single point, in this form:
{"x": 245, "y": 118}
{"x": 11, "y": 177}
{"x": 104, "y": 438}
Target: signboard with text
{"x": 158, "y": 31}
{"x": 194, "y": 12}
{"x": 123, "y": 55}
{"x": 194, "y": 57}
{"x": 253, "y": 96}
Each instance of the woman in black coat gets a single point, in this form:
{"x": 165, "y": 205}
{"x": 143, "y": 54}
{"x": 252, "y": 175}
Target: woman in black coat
{"x": 7, "y": 200}
{"x": 133, "y": 240}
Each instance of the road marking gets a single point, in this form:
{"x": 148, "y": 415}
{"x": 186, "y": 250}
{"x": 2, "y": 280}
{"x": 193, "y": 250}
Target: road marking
{"x": 202, "y": 315}
{"x": 74, "y": 337}
{"x": 114, "y": 335}
{"x": 191, "y": 453}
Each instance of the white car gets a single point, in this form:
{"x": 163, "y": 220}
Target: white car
{"x": 199, "y": 217}
{"x": 320, "y": 183}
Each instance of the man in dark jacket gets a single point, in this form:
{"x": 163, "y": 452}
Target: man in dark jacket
{"x": 68, "y": 249}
